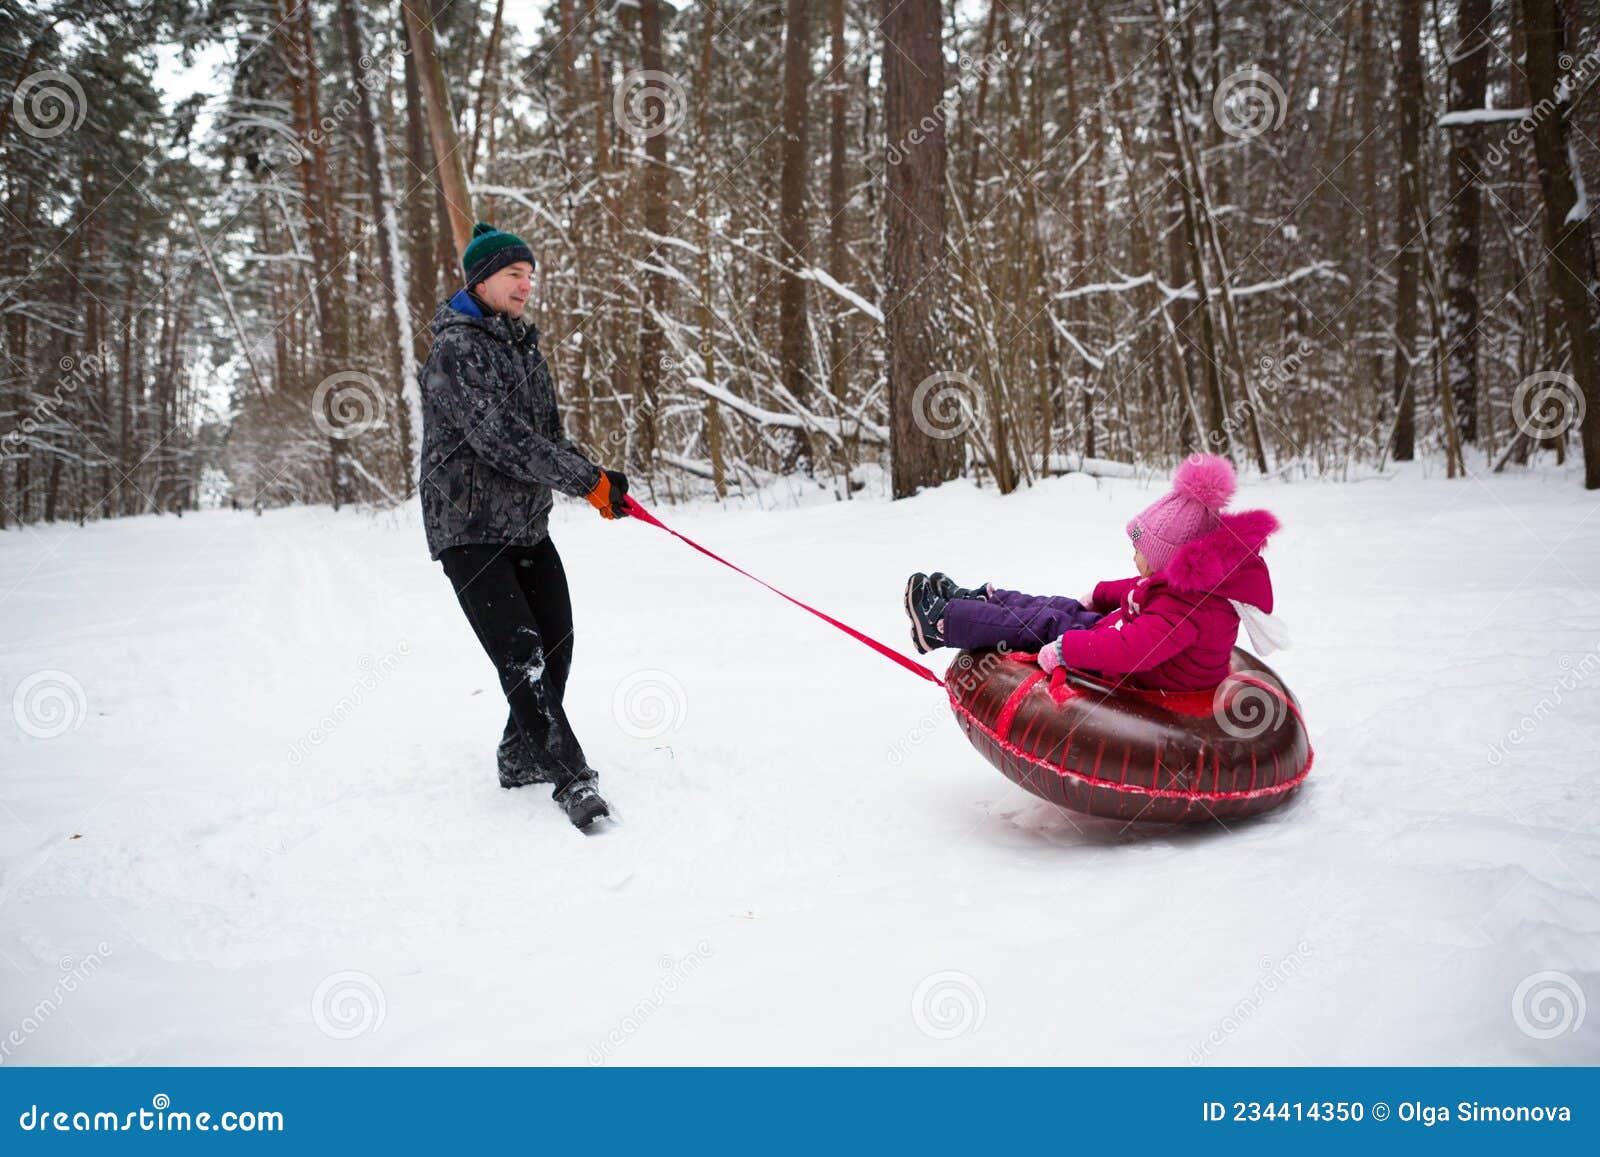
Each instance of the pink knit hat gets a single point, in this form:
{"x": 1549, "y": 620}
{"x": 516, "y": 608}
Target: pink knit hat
{"x": 1201, "y": 487}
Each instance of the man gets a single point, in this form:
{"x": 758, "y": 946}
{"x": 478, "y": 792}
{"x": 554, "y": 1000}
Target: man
{"x": 492, "y": 451}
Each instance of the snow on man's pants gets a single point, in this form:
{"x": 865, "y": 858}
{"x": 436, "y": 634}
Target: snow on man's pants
{"x": 516, "y": 599}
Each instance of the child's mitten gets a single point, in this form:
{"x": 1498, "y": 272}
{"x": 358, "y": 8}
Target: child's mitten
{"x": 1050, "y": 655}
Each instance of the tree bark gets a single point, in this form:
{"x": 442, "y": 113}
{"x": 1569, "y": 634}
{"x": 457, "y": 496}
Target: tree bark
{"x": 792, "y": 311}
{"x": 652, "y": 343}
{"x": 1468, "y": 85}
{"x": 489, "y": 84}
{"x": 921, "y": 453}
{"x": 1219, "y": 429}
{"x": 972, "y": 137}
{"x": 441, "y": 126}
{"x": 320, "y": 210}
{"x": 702, "y": 173}
{"x": 419, "y": 213}
{"x": 838, "y": 88}
{"x": 1567, "y": 230}
{"x": 1408, "y": 234}
{"x": 380, "y": 191}
{"x": 1371, "y": 314}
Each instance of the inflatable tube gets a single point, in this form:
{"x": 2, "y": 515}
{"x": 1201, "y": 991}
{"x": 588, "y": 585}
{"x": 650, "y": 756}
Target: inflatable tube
{"x": 1127, "y": 754}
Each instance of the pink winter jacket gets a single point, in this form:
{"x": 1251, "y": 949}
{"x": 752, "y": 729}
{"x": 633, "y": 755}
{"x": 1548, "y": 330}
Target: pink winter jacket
{"x": 1175, "y": 630}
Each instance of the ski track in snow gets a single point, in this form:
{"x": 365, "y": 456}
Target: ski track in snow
{"x": 275, "y": 834}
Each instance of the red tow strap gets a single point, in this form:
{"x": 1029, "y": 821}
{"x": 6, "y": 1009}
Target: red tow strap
{"x": 888, "y": 652}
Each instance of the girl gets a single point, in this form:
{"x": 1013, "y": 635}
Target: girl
{"x": 1171, "y": 627}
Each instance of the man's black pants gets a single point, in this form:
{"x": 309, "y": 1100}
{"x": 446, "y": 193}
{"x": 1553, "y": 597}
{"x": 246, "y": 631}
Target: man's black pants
{"x": 517, "y": 601}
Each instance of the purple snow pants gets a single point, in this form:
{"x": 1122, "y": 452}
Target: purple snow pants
{"x": 1021, "y": 622}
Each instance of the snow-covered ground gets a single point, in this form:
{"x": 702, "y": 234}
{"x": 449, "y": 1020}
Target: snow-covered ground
{"x": 269, "y": 830}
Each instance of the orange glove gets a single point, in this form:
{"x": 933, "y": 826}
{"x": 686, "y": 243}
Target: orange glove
{"x": 608, "y": 494}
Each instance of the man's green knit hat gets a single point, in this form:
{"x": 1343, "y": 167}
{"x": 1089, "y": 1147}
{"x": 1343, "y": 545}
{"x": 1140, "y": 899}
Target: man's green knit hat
{"x": 491, "y": 251}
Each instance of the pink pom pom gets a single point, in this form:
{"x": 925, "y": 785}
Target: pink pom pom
{"x": 1207, "y": 479}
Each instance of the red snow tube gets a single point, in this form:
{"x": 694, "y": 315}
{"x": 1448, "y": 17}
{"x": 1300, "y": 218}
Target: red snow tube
{"x": 1128, "y": 754}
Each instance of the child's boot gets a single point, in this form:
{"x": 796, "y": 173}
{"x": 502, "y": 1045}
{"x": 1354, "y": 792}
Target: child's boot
{"x": 946, "y": 586}
{"x": 925, "y": 607}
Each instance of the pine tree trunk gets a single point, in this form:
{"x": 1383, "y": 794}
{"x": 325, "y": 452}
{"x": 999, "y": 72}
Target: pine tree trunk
{"x": 1218, "y": 432}
{"x": 397, "y": 323}
{"x": 792, "y": 311}
{"x": 708, "y": 359}
{"x": 1077, "y": 307}
{"x": 921, "y": 453}
{"x": 972, "y": 137}
{"x": 652, "y": 343}
{"x": 1468, "y": 83}
{"x": 1408, "y": 231}
{"x": 489, "y": 84}
{"x": 838, "y": 89}
{"x": 320, "y": 209}
{"x": 1567, "y": 232}
{"x": 419, "y": 214}
{"x": 1372, "y": 320}
{"x": 441, "y": 127}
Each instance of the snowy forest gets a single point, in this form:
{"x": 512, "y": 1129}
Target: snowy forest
{"x": 982, "y": 238}
{"x": 1164, "y": 436}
